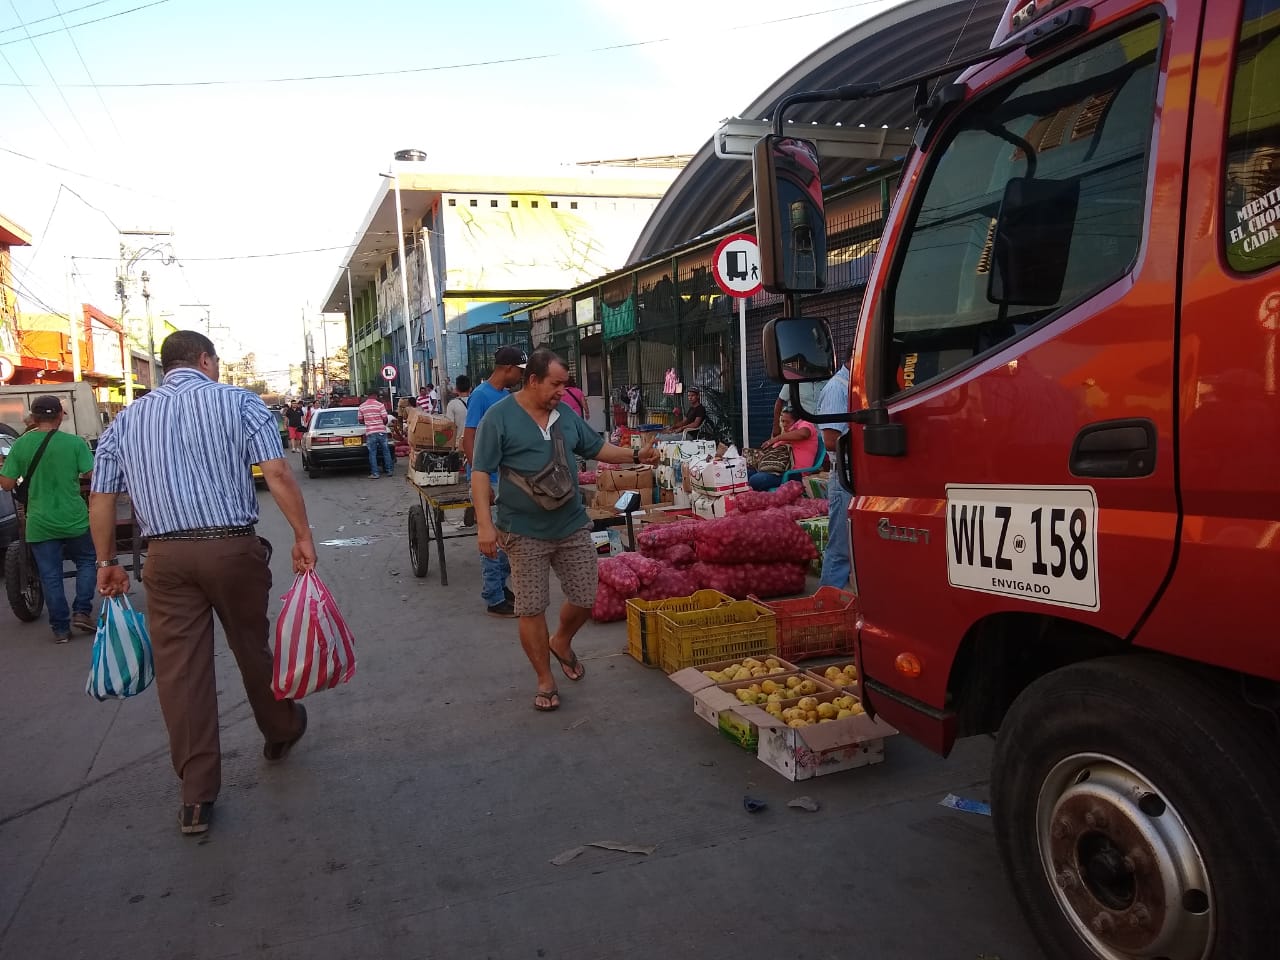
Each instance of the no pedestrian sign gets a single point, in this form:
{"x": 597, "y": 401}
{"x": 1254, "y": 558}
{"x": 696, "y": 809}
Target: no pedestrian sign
{"x": 389, "y": 372}
{"x": 736, "y": 265}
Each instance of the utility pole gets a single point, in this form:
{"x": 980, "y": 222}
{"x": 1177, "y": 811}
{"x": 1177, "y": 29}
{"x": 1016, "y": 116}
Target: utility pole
{"x": 205, "y": 307}
{"x": 151, "y": 331}
{"x": 128, "y": 258}
{"x": 76, "y": 310}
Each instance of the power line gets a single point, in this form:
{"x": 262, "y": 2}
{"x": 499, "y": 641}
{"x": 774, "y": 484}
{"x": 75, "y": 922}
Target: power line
{"x": 32, "y": 23}
{"x": 96, "y": 89}
{"x": 240, "y": 256}
{"x": 85, "y": 23}
{"x": 52, "y": 79}
{"x": 76, "y": 173}
{"x": 362, "y": 75}
{"x": 30, "y": 93}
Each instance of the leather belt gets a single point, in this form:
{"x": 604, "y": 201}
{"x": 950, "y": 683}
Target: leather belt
{"x": 205, "y": 533}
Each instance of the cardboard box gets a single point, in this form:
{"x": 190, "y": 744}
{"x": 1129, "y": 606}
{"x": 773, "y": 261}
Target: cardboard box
{"x": 625, "y": 478}
{"x": 709, "y": 508}
{"x": 823, "y": 748}
{"x": 676, "y": 451}
{"x": 430, "y": 432}
{"x": 718, "y": 477}
{"x": 692, "y": 679}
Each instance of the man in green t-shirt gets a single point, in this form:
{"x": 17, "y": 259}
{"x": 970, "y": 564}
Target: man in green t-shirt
{"x": 57, "y": 515}
{"x": 541, "y": 523}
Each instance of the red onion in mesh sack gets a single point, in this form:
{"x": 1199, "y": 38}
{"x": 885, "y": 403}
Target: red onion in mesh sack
{"x": 671, "y": 582}
{"x": 619, "y": 577}
{"x": 609, "y": 606}
{"x": 754, "y": 538}
{"x": 753, "y": 501}
{"x": 740, "y": 580}
{"x": 657, "y": 536}
{"x": 804, "y": 509}
{"x": 646, "y": 570}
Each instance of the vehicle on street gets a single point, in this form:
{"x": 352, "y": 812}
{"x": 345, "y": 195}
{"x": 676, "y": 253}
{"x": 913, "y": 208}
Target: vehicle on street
{"x": 278, "y": 415}
{"x": 85, "y": 417}
{"x": 334, "y": 439}
{"x": 8, "y": 506}
{"x": 1065, "y": 485}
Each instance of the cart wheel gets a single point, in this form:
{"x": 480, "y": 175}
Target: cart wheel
{"x": 26, "y": 594}
{"x": 419, "y": 541}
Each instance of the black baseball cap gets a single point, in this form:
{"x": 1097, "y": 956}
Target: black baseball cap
{"x": 46, "y": 406}
{"x": 510, "y": 357}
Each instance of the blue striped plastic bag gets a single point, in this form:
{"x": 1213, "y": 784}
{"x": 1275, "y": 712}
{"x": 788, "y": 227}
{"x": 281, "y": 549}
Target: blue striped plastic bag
{"x": 123, "y": 665}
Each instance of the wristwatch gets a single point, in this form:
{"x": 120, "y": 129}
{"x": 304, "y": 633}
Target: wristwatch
{"x": 113, "y": 562}
{"x": 635, "y": 455}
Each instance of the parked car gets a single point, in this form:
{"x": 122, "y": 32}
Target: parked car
{"x": 8, "y": 509}
{"x": 335, "y": 438}
{"x": 283, "y": 427}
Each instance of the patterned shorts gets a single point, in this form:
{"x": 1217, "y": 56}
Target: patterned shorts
{"x": 573, "y": 559}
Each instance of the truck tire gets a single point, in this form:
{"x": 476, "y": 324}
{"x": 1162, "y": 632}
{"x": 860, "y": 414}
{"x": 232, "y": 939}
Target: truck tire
{"x": 26, "y": 597}
{"x": 1135, "y": 813}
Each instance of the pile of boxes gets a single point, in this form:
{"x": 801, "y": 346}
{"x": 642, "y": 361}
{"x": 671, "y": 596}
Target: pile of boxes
{"x": 433, "y": 456}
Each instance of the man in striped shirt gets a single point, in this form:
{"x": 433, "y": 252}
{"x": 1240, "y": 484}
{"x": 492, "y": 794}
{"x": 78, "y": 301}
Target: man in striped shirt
{"x": 183, "y": 452}
{"x": 373, "y": 414}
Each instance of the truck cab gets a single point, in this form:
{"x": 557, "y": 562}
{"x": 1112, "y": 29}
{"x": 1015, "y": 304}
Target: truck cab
{"x": 84, "y": 417}
{"x": 1064, "y": 467}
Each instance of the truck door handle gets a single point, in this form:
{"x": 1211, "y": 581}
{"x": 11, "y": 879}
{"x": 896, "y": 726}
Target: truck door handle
{"x": 1115, "y": 448}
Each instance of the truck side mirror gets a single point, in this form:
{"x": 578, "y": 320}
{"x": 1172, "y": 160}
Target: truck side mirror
{"x": 798, "y": 350}
{"x": 790, "y": 224}
{"x": 1032, "y": 243}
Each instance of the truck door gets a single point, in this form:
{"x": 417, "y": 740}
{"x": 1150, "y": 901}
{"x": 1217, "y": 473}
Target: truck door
{"x": 1027, "y": 352}
{"x": 1229, "y": 409}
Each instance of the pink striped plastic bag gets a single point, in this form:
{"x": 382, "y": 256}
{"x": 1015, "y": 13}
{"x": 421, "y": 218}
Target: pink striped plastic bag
{"x": 314, "y": 647}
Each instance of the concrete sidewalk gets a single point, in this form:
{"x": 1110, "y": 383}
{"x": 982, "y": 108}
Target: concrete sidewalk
{"x": 419, "y": 815}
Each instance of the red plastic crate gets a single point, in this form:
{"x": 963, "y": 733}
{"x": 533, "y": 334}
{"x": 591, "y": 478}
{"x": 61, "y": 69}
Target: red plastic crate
{"x": 815, "y": 626}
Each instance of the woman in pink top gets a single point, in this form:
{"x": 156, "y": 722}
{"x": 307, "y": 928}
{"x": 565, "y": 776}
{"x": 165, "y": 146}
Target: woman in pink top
{"x": 801, "y": 436}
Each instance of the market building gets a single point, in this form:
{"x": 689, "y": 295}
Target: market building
{"x": 475, "y": 247}
{"x": 642, "y": 335}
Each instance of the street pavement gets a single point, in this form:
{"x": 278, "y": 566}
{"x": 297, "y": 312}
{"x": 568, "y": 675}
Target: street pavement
{"x": 419, "y": 816}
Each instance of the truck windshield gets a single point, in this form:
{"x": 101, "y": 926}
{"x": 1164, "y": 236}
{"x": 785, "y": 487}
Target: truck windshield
{"x": 1086, "y": 118}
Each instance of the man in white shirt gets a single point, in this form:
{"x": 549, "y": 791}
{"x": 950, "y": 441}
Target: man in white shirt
{"x": 810, "y": 398}
{"x": 836, "y": 563}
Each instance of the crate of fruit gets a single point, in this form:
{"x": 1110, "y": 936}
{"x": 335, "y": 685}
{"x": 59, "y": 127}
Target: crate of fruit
{"x": 816, "y": 626}
{"x": 740, "y": 628}
{"x": 642, "y": 621}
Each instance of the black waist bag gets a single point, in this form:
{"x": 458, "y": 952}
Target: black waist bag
{"x": 552, "y": 486}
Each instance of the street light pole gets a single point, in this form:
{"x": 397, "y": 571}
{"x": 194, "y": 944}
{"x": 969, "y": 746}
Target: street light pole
{"x": 151, "y": 330}
{"x": 353, "y": 355}
{"x": 76, "y": 310}
{"x": 404, "y": 286}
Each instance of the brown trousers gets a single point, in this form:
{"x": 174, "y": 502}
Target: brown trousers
{"x": 187, "y": 582}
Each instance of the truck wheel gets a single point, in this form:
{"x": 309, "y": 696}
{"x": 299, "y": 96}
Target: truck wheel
{"x": 1135, "y": 814}
{"x": 26, "y": 596}
{"x": 419, "y": 541}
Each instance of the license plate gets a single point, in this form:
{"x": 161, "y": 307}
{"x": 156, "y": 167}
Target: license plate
{"x": 351, "y": 441}
{"x": 1034, "y": 543}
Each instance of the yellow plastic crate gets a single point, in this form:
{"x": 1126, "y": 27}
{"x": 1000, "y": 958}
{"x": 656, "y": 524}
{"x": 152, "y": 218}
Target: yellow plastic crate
{"x": 642, "y": 621}
{"x": 732, "y": 630}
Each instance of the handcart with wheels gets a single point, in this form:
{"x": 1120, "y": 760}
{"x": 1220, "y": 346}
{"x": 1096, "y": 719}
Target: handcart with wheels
{"x": 426, "y": 523}
{"x": 22, "y": 581}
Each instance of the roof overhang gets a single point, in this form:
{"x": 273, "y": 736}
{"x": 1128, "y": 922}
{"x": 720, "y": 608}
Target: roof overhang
{"x": 12, "y": 235}
{"x": 421, "y": 190}
{"x": 910, "y": 38}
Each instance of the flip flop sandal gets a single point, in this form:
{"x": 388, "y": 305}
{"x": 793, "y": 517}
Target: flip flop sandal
{"x": 571, "y": 663}
{"x": 547, "y": 696}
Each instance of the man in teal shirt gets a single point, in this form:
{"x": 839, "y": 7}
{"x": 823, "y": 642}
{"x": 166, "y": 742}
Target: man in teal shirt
{"x": 518, "y": 436}
{"x": 57, "y": 515}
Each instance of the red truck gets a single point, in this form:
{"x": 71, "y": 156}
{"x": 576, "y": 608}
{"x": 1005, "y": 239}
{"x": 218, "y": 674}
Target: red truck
{"x": 1064, "y": 455}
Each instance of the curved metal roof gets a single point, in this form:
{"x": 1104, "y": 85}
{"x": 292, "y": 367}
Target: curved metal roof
{"x": 910, "y": 38}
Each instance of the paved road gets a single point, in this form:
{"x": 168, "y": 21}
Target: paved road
{"x": 418, "y": 817}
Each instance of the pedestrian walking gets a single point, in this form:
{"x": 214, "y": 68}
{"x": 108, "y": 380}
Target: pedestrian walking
{"x": 508, "y": 370}
{"x": 530, "y": 440}
{"x": 293, "y": 420}
{"x": 457, "y": 408}
{"x": 49, "y": 464}
{"x": 183, "y": 453}
{"x": 373, "y": 414}
{"x": 836, "y": 559}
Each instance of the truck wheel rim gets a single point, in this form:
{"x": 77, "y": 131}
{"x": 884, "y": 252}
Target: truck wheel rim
{"x": 1122, "y": 863}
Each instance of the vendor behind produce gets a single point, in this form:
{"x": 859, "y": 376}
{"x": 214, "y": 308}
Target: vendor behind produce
{"x": 800, "y": 436}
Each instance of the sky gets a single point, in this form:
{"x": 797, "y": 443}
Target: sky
{"x": 247, "y": 167}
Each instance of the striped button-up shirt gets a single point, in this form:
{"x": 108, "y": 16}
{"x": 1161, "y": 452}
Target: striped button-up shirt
{"x": 184, "y": 451}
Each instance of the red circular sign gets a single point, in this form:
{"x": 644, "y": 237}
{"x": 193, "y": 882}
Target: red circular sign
{"x": 736, "y": 265}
